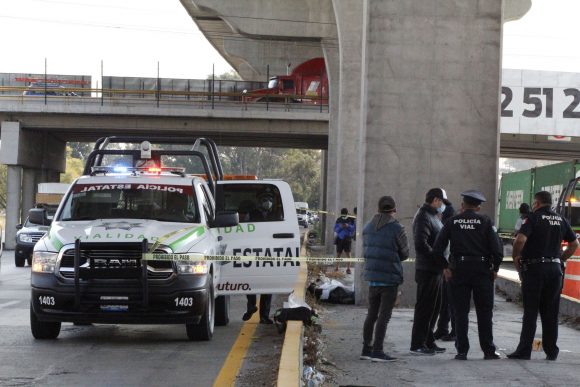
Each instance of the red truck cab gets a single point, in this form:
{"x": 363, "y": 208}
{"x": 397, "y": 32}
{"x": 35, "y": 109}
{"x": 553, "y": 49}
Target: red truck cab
{"x": 308, "y": 83}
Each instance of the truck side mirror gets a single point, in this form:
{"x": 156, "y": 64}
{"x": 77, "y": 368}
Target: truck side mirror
{"x": 38, "y": 216}
{"x": 19, "y": 226}
{"x": 225, "y": 219}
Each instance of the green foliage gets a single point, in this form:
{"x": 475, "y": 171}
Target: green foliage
{"x": 74, "y": 167}
{"x": 298, "y": 167}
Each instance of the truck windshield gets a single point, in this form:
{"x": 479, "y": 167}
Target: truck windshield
{"x": 168, "y": 203}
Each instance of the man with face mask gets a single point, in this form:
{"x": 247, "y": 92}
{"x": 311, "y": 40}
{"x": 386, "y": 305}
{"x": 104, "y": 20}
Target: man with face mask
{"x": 263, "y": 212}
{"x": 428, "y": 273}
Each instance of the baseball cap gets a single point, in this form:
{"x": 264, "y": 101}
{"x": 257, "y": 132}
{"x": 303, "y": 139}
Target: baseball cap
{"x": 437, "y": 193}
{"x": 387, "y": 204}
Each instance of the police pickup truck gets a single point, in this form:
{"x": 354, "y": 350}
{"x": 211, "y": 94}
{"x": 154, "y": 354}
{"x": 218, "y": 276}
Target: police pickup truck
{"x": 90, "y": 266}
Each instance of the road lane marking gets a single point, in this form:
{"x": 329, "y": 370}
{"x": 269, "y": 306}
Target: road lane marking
{"x": 233, "y": 364}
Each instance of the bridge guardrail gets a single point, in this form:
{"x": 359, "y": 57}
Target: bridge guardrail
{"x": 195, "y": 99}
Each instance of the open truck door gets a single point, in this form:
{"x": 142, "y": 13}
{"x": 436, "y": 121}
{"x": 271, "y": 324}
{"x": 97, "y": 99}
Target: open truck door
{"x": 268, "y": 228}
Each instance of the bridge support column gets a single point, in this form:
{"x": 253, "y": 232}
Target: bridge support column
{"x": 25, "y": 152}
{"x": 28, "y": 191}
{"x": 13, "y": 200}
{"x": 429, "y": 103}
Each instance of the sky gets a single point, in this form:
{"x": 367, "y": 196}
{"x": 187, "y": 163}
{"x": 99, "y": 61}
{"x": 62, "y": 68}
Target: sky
{"x": 131, "y": 36}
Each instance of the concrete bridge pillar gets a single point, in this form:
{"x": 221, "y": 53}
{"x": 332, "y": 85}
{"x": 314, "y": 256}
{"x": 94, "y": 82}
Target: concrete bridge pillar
{"x": 429, "y": 103}
{"x": 25, "y": 153}
{"x": 28, "y": 191}
{"x": 13, "y": 200}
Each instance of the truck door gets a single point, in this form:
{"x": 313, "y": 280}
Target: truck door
{"x": 268, "y": 228}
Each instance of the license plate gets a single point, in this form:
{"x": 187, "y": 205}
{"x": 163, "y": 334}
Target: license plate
{"x": 114, "y": 308}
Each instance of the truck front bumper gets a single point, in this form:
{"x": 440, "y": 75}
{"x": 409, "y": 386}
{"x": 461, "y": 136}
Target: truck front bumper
{"x": 182, "y": 300}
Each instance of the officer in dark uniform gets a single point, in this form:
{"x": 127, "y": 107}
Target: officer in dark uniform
{"x": 538, "y": 255}
{"x": 475, "y": 256}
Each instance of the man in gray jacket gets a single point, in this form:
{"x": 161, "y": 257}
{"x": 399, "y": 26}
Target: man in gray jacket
{"x": 385, "y": 246}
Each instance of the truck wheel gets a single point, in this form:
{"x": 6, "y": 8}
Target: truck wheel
{"x": 204, "y": 330}
{"x": 43, "y": 330}
{"x": 29, "y": 261}
{"x": 222, "y": 311}
{"x": 19, "y": 260}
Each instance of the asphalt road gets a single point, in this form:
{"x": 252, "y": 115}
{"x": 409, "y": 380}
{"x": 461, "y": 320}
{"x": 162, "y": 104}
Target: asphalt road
{"x": 112, "y": 355}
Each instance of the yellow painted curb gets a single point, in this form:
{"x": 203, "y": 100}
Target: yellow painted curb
{"x": 290, "y": 369}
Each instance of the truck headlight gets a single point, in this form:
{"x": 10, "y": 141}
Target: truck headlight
{"x": 44, "y": 262}
{"x": 188, "y": 267}
{"x": 26, "y": 238}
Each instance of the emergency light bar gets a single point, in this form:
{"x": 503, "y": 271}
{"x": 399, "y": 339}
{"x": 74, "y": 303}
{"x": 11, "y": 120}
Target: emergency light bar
{"x": 123, "y": 169}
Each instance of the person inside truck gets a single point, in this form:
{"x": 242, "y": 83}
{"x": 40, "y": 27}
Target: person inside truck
{"x": 268, "y": 208}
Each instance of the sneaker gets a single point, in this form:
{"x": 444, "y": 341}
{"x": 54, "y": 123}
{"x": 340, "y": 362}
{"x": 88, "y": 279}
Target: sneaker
{"x": 348, "y": 271}
{"x": 266, "y": 320}
{"x": 449, "y": 337}
{"x": 491, "y": 356}
{"x": 423, "y": 351}
{"x": 518, "y": 356}
{"x": 437, "y": 349}
{"x": 381, "y": 357}
{"x": 461, "y": 356}
{"x": 366, "y": 353}
{"x": 249, "y": 313}
{"x": 551, "y": 357}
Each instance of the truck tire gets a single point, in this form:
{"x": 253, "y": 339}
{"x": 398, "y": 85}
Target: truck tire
{"x": 204, "y": 330}
{"x": 222, "y": 311}
{"x": 19, "y": 260}
{"x": 43, "y": 330}
{"x": 29, "y": 261}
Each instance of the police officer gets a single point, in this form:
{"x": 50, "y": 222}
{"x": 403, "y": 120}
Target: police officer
{"x": 537, "y": 257}
{"x": 475, "y": 256}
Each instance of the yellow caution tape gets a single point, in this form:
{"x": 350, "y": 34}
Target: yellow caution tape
{"x": 239, "y": 258}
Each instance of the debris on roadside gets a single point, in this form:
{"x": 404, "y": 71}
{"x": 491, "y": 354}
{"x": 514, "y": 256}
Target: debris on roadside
{"x": 295, "y": 310}
{"x": 331, "y": 291}
{"x": 312, "y": 378}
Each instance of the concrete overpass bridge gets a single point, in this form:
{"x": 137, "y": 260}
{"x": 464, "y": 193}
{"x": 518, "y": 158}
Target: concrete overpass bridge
{"x": 414, "y": 89}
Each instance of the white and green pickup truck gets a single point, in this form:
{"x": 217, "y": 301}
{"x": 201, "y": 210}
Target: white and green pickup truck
{"x": 89, "y": 267}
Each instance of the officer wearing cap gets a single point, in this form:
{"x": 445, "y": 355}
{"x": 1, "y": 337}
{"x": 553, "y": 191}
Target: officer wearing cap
{"x": 537, "y": 257}
{"x": 476, "y": 254}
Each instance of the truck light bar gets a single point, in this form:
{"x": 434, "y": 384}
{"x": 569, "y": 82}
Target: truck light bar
{"x": 134, "y": 170}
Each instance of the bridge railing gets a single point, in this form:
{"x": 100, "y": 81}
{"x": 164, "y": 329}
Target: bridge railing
{"x": 164, "y": 98}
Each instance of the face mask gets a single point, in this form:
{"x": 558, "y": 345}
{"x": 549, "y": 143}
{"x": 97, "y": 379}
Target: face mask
{"x": 442, "y": 208}
{"x": 267, "y": 204}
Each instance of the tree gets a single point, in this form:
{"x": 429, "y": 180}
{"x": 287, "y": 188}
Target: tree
{"x": 80, "y": 150}
{"x": 231, "y": 75}
{"x": 74, "y": 167}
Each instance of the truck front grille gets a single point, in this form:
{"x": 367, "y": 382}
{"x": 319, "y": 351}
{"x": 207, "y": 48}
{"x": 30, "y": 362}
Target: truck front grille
{"x": 36, "y": 236}
{"x": 113, "y": 259}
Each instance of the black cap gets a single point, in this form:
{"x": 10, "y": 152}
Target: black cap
{"x": 474, "y": 196}
{"x": 438, "y": 193}
{"x": 387, "y": 204}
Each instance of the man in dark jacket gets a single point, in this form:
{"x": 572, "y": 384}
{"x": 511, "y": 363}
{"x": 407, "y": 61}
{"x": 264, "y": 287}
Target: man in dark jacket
{"x": 385, "y": 246}
{"x": 428, "y": 273}
{"x": 446, "y": 314}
